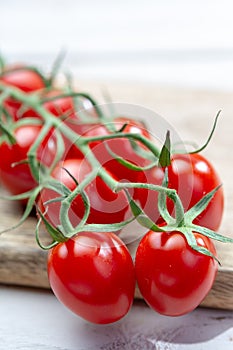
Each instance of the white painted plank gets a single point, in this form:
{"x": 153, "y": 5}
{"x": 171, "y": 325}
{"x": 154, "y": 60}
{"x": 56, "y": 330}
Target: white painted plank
{"x": 35, "y": 320}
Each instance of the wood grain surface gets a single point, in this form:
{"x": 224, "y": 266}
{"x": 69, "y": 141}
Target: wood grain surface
{"x": 190, "y": 114}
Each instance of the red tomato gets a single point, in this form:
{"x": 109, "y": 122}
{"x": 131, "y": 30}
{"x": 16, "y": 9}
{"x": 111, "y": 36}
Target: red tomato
{"x": 93, "y": 275}
{"x": 72, "y": 151}
{"x": 60, "y": 106}
{"x": 69, "y": 107}
{"x": 17, "y": 178}
{"x": 24, "y": 79}
{"x": 192, "y": 176}
{"x": 121, "y": 147}
{"x": 172, "y": 277}
{"x": 63, "y": 108}
{"x": 66, "y": 110}
{"x": 106, "y": 206}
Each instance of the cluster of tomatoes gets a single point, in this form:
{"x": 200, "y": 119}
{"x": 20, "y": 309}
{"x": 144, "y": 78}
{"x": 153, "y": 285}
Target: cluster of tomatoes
{"x": 92, "y": 272}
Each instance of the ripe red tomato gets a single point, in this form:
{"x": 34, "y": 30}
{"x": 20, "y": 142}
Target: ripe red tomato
{"x": 172, "y": 277}
{"x": 93, "y": 275}
{"x": 66, "y": 109}
{"x": 60, "y": 106}
{"x": 69, "y": 108}
{"x": 63, "y": 108}
{"x": 120, "y": 146}
{"x": 106, "y": 206}
{"x": 193, "y": 176}
{"x": 17, "y": 178}
{"x": 24, "y": 79}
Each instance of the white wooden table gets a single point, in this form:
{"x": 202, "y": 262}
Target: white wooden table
{"x": 34, "y": 319}
{"x": 175, "y": 43}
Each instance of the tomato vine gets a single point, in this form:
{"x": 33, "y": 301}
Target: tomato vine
{"x": 83, "y": 143}
{"x": 117, "y": 188}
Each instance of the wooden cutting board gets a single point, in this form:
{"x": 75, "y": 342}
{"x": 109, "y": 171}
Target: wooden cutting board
{"x": 190, "y": 114}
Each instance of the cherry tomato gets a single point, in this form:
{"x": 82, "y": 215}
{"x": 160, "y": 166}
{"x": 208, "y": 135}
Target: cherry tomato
{"x": 72, "y": 151}
{"x": 120, "y": 146}
{"x": 60, "y": 106}
{"x": 69, "y": 107}
{"x": 93, "y": 275}
{"x": 15, "y": 173}
{"x": 192, "y": 176}
{"x": 24, "y": 79}
{"x": 172, "y": 277}
{"x": 64, "y": 109}
{"x": 106, "y": 206}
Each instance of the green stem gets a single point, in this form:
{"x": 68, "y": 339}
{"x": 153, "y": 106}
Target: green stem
{"x": 2, "y": 64}
{"x": 162, "y": 202}
{"x": 122, "y": 185}
{"x": 179, "y": 209}
{"x": 77, "y": 94}
{"x": 27, "y": 121}
{"x": 59, "y": 150}
{"x": 56, "y": 66}
{"x": 64, "y": 215}
{"x": 149, "y": 144}
{"x": 33, "y": 101}
{"x": 32, "y": 153}
{"x": 99, "y": 170}
{"x": 66, "y": 203}
{"x": 4, "y": 95}
{"x": 210, "y": 136}
{"x": 171, "y": 193}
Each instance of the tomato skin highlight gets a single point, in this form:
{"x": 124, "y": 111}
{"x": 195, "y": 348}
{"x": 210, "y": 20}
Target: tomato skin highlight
{"x": 93, "y": 275}
{"x": 172, "y": 277}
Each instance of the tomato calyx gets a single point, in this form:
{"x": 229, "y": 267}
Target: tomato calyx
{"x": 182, "y": 221}
{"x": 165, "y": 154}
